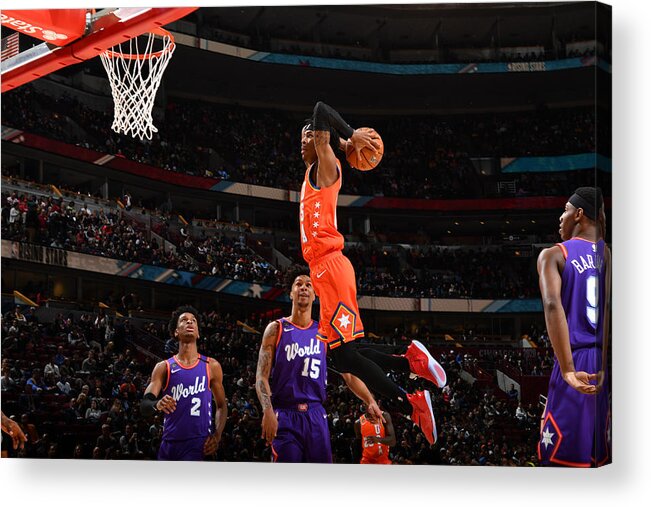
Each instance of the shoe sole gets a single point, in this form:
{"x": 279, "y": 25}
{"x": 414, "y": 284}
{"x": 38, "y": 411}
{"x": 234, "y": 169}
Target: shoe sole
{"x": 433, "y": 365}
{"x": 428, "y": 399}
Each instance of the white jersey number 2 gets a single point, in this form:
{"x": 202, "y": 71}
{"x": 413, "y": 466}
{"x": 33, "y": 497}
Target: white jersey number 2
{"x": 196, "y": 405}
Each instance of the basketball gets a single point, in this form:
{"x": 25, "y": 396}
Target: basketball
{"x": 367, "y": 159}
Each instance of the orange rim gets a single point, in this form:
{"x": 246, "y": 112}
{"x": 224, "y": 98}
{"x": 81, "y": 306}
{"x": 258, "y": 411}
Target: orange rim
{"x": 157, "y": 31}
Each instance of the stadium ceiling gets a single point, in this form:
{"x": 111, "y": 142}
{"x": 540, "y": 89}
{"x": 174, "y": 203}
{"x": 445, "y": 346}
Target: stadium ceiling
{"x": 408, "y": 25}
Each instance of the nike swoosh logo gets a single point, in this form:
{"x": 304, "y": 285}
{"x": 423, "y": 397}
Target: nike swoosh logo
{"x": 321, "y": 274}
{"x": 174, "y": 371}
{"x": 288, "y": 328}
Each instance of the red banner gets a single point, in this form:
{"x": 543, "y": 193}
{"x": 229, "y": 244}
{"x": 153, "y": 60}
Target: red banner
{"x": 54, "y": 26}
{"x": 114, "y": 162}
{"x": 120, "y": 163}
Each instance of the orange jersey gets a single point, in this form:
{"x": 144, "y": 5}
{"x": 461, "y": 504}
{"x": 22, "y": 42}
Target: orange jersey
{"x": 373, "y": 453}
{"x": 318, "y": 218}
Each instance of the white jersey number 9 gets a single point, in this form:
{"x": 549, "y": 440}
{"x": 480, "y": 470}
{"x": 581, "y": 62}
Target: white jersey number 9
{"x": 592, "y": 295}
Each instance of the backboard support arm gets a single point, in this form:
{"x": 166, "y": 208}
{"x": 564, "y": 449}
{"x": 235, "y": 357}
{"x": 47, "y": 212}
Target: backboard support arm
{"x": 112, "y": 29}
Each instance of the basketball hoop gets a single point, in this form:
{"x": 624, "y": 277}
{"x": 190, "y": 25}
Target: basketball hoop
{"x": 135, "y": 74}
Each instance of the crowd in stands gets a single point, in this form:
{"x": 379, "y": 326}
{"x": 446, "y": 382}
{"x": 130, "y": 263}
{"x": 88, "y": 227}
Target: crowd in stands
{"x": 108, "y": 233}
{"x": 394, "y": 271}
{"x": 526, "y": 361}
{"x": 74, "y": 384}
{"x": 443, "y": 273}
{"x": 425, "y": 157}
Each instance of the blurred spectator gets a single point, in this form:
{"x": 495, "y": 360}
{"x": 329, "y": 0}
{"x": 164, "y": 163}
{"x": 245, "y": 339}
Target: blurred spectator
{"x": 106, "y": 441}
{"x": 93, "y": 413}
{"x": 35, "y": 382}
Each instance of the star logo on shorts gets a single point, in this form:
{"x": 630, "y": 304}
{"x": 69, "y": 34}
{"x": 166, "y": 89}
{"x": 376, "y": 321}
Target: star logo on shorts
{"x": 344, "y": 321}
{"x": 317, "y": 205}
{"x": 547, "y": 438}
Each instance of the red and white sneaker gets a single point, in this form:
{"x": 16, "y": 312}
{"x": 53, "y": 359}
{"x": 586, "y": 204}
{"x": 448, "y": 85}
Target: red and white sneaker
{"x": 422, "y": 364}
{"x": 423, "y": 414}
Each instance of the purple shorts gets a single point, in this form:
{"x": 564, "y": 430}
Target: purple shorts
{"x": 182, "y": 450}
{"x": 303, "y": 436}
{"x": 576, "y": 427}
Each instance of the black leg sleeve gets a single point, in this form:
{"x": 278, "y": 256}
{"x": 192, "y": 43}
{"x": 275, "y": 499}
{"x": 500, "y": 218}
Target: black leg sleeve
{"x": 347, "y": 359}
{"x": 387, "y": 362}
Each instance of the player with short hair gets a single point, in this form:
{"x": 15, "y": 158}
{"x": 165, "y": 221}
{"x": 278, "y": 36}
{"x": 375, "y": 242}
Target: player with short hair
{"x": 333, "y": 275}
{"x": 575, "y": 288}
{"x": 188, "y": 382}
{"x": 291, "y": 381}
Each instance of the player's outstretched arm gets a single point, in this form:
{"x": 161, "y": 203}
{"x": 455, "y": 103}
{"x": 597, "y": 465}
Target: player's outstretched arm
{"x": 218, "y": 393}
{"x": 550, "y": 262}
{"x": 262, "y": 387}
{"x": 328, "y": 122}
{"x": 150, "y": 402}
{"x": 11, "y": 428}
{"x": 359, "y": 389}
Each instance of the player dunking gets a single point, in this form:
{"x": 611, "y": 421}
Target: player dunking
{"x": 333, "y": 275}
{"x": 575, "y": 288}
{"x": 188, "y": 381}
{"x": 294, "y": 420}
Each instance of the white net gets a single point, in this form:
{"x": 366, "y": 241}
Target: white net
{"x": 135, "y": 69}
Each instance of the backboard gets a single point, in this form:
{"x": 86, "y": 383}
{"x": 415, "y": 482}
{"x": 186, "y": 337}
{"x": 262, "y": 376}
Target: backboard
{"x": 75, "y": 35}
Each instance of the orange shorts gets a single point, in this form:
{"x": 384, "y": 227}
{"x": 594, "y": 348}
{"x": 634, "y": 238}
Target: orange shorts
{"x": 383, "y": 460}
{"x": 333, "y": 279}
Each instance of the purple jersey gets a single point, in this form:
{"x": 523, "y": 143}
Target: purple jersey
{"x": 299, "y": 371}
{"x": 190, "y": 387}
{"x": 583, "y": 291}
{"x": 576, "y": 427}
